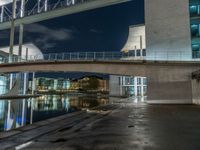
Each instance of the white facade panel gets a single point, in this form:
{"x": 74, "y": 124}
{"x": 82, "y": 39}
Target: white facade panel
{"x": 136, "y": 38}
{"x": 168, "y": 29}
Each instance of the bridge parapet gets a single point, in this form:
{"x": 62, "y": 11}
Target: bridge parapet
{"x": 107, "y": 56}
{"x": 75, "y": 56}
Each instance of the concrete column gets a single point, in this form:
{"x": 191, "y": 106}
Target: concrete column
{"x": 25, "y": 83}
{"x": 26, "y": 54}
{"x": 21, "y": 30}
{"x": 142, "y": 86}
{"x": 135, "y": 86}
{"x": 141, "y": 45}
{"x": 2, "y": 13}
{"x": 33, "y": 83}
{"x": 24, "y": 112}
{"x": 45, "y": 5}
{"x": 31, "y": 115}
{"x": 12, "y": 32}
{"x": 39, "y": 9}
{"x": 11, "y": 81}
{"x": 22, "y": 9}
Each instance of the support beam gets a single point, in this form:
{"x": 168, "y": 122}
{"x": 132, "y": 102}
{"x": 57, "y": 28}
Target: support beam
{"x": 21, "y": 29}
{"x": 21, "y": 32}
{"x": 11, "y": 81}
{"x": 22, "y": 9}
{"x": 12, "y": 31}
{"x": 25, "y": 83}
{"x": 85, "y": 6}
{"x": 38, "y": 4}
{"x": 33, "y": 83}
{"x": 2, "y": 13}
{"x": 45, "y": 5}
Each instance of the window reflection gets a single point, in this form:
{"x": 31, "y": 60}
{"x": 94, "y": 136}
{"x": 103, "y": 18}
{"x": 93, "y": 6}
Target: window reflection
{"x": 18, "y": 113}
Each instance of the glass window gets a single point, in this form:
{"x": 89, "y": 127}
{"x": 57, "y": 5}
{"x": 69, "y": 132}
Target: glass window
{"x": 138, "y": 53}
{"x": 139, "y": 81}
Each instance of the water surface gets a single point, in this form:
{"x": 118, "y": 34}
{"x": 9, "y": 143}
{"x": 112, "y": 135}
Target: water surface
{"x": 21, "y": 112}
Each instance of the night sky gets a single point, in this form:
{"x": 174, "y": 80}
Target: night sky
{"x": 104, "y": 29}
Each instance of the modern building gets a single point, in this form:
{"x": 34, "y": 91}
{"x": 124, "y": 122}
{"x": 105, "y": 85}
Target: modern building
{"x": 172, "y": 29}
{"x": 93, "y": 83}
{"x": 3, "y": 84}
{"x": 46, "y": 84}
{"x": 136, "y": 43}
{"x": 64, "y": 84}
{"x": 128, "y": 86}
{"x": 28, "y": 51}
{"x": 135, "y": 47}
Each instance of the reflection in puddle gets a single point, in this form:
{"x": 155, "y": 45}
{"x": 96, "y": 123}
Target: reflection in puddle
{"x": 18, "y": 113}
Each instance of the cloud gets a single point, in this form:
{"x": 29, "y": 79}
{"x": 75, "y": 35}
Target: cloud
{"x": 48, "y": 37}
{"x": 95, "y": 31}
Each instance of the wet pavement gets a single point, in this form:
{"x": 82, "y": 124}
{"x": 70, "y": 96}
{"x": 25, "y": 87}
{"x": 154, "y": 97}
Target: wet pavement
{"x": 122, "y": 125}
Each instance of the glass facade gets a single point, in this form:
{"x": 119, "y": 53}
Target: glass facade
{"x": 195, "y": 27}
{"x": 3, "y": 85}
{"x": 134, "y": 86}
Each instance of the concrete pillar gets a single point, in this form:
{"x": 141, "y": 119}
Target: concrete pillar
{"x": 141, "y": 45}
{"x": 24, "y": 112}
{"x": 135, "y": 86}
{"x": 39, "y": 2}
{"x": 11, "y": 81}
{"x": 142, "y": 86}
{"x": 22, "y": 9}
{"x": 31, "y": 115}
{"x": 2, "y": 13}
{"x": 195, "y": 91}
{"x": 45, "y": 5}
{"x": 33, "y": 83}
{"x": 12, "y": 31}
{"x": 114, "y": 86}
{"x": 25, "y": 83}
{"x": 169, "y": 92}
{"x": 26, "y": 54}
{"x": 21, "y": 30}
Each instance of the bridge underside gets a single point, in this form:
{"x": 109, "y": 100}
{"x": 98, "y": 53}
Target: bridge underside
{"x": 90, "y": 5}
{"x": 169, "y": 83}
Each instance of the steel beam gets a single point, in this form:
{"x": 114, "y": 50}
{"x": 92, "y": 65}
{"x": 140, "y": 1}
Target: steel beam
{"x": 62, "y": 12}
{"x": 12, "y": 31}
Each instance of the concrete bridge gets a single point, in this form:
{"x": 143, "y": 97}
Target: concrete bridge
{"x": 168, "y": 82}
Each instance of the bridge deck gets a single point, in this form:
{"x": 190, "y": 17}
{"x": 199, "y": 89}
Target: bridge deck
{"x": 50, "y": 14}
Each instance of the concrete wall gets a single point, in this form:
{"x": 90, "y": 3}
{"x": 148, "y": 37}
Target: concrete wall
{"x": 114, "y": 86}
{"x": 179, "y": 92}
{"x": 196, "y": 91}
{"x": 167, "y": 29}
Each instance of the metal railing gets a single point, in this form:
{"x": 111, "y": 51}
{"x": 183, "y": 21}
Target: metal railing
{"x": 75, "y": 56}
{"x": 34, "y": 11}
{"x": 106, "y": 56}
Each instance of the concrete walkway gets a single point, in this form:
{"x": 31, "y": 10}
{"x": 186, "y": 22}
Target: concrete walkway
{"x": 122, "y": 125}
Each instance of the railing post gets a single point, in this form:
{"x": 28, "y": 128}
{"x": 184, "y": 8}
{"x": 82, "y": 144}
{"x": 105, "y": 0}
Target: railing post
{"x": 63, "y": 56}
{"x": 94, "y": 55}
{"x": 56, "y": 56}
{"x": 49, "y": 56}
{"x": 78, "y": 58}
{"x": 86, "y": 56}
